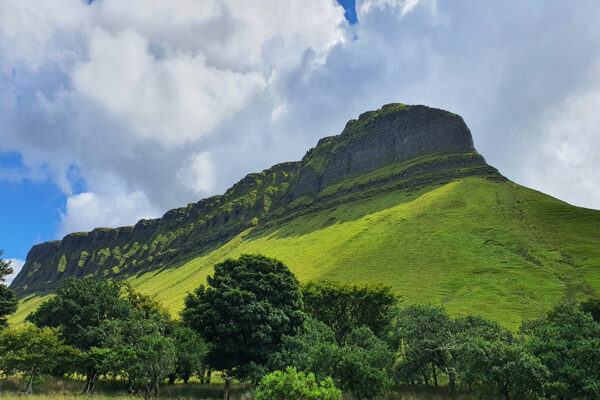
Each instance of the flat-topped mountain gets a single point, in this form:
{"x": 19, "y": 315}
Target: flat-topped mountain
{"x": 401, "y": 196}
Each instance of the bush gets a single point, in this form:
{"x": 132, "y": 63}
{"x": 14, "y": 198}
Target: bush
{"x": 294, "y": 385}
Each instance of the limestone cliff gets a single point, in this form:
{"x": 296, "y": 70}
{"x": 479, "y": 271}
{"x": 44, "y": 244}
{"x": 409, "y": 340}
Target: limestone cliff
{"x": 398, "y": 146}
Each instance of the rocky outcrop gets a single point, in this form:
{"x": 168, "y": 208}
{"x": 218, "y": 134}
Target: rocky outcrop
{"x": 421, "y": 145}
{"x": 394, "y": 133}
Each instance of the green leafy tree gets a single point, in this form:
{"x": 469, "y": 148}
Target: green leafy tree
{"x": 314, "y": 349}
{"x": 141, "y": 353}
{"x": 344, "y": 307}
{"x": 294, "y": 385}
{"x": 466, "y": 357}
{"x": 245, "y": 309}
{"x": 32, "y": 351}
{"x": 190, "y": 353}
{"x": 363, "y": 366}
{"x": 567, "y": 342}
{"x": 424, "y": 336}
{"x": 8, "y": 299}
{"x": 79, "y": 309}
{"x": 592, "y": 307}
{"x": 139, "y": 346}
{"x": 511, "y": 368}
{"x": 366, "y": 365}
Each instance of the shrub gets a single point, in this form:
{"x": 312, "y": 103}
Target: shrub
{"x": 294, "y": 385}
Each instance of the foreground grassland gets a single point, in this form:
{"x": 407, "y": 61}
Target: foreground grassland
{"x": 474, "y": 245}
{"x": 64, "y": 389}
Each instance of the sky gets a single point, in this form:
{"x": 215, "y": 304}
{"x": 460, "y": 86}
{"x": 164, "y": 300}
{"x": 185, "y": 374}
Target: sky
{"x": 112, "y": 111}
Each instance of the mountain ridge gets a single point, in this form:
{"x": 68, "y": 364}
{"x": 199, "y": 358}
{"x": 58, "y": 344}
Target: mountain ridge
{"x": 395, "y": 133}
{"x": 401, "y": 196}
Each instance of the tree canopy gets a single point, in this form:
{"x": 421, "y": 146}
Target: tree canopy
{"x": 8, "y": 299}
{"x": 244, "y": 310}
{"x": 80, "y": 309}
{"x": 31, "y": 351}
{"x": 345, "y": 306}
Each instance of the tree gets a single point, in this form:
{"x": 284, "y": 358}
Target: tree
{"x": 592, "y": 307}
{"x": 294, "y": 385}
{"x": 424, "y": 335}
{"x": 344, "y": 307}
{"x": 314, "y": 349}
{"x": 79, "y": 309}
{"x": 190, "y": 353}
{"x": 141, "y": 353}
{"x": 509, "y": 367}
{"x": 8, "y": 299}
{"x": 32, "y": 351}
{"x": 138, "y": 345}
{"x": 465, "y": 358}
{"x": 567, "y": 342}
{"x": 245, "y": 309}
{"x": 365, "y": 365}
{"x": 5, "y": 268}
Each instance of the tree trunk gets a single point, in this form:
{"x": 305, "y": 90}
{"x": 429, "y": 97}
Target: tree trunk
{"x": 186, "y": 379}
{"x": 505, "y": 391}
{"x": 434, "y": 375}
{"x": 172, "y": 379}
{"x": 226, "y": 391}
{"x": 90, "y": 381}
{"x": 208, "y": 374}
{"x": 156, "y": 389}
{"x": 426, "y": 380}
{"x": 29, "y": 389}
{"x": 451, "y": 380}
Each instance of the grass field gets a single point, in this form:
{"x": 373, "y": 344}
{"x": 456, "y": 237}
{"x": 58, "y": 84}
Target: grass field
{"x": 66, "y": 389}
{"x": 476, "y": 246}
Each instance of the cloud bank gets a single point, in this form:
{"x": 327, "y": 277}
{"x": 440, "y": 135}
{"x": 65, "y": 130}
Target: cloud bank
{"x": 16, "y": 265}
{"x": 157, "y": 104}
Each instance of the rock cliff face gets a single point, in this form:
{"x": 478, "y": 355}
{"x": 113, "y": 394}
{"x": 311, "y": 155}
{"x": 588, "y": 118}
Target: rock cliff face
{"x": 397, "y": 146}
{"x": 396, "y": 132}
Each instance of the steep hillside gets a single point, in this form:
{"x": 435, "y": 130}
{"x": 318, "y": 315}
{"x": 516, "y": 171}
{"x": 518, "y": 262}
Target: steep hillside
{"x": 400, "y": 196}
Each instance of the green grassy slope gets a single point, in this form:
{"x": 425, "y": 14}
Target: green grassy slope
{"x": 475, "y": 245}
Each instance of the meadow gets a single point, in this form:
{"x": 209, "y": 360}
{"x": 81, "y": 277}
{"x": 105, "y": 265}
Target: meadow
{"x": 70, "y": 389}
{"x": 475, "y": 246}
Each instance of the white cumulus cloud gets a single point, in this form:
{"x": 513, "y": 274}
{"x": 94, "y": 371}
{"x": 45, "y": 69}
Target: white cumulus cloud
{"x": 16, "y": 265}
{"x": 159, "y": 103}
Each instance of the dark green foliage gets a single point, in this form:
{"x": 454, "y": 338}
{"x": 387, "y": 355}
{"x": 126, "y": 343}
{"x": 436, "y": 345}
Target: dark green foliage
{"x": 424, "y": 334}
{"x": 80, "y": 309}
{"x": 138, "y": 344}
{"x": 365, "y": 365}
{"x": 567, "y": 342}
{"x": 140, "y": 351}
{"x": 8, "y": 304}
{"x": 294, "y": 385}
{"x": 313, "y": 350}
{"x": 244, "y": 310}
{"x": 466, "y": 359}
{"x": 8, "y": 299}
{"x": 190, "y": 352}
{"x": 344, "y": 307}
{"x": 5, "y": 268}
{"x": 32, "y": 351}
{"x": 505, "y": 365}
{"x": 592, "y": 307}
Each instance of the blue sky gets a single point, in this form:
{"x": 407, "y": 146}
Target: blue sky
{"x": 32, "y": 209}
{"x": 115, "y": 111}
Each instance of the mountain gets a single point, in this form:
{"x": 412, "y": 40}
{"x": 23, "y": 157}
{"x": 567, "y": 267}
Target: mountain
{"x": 401, "y": 196}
